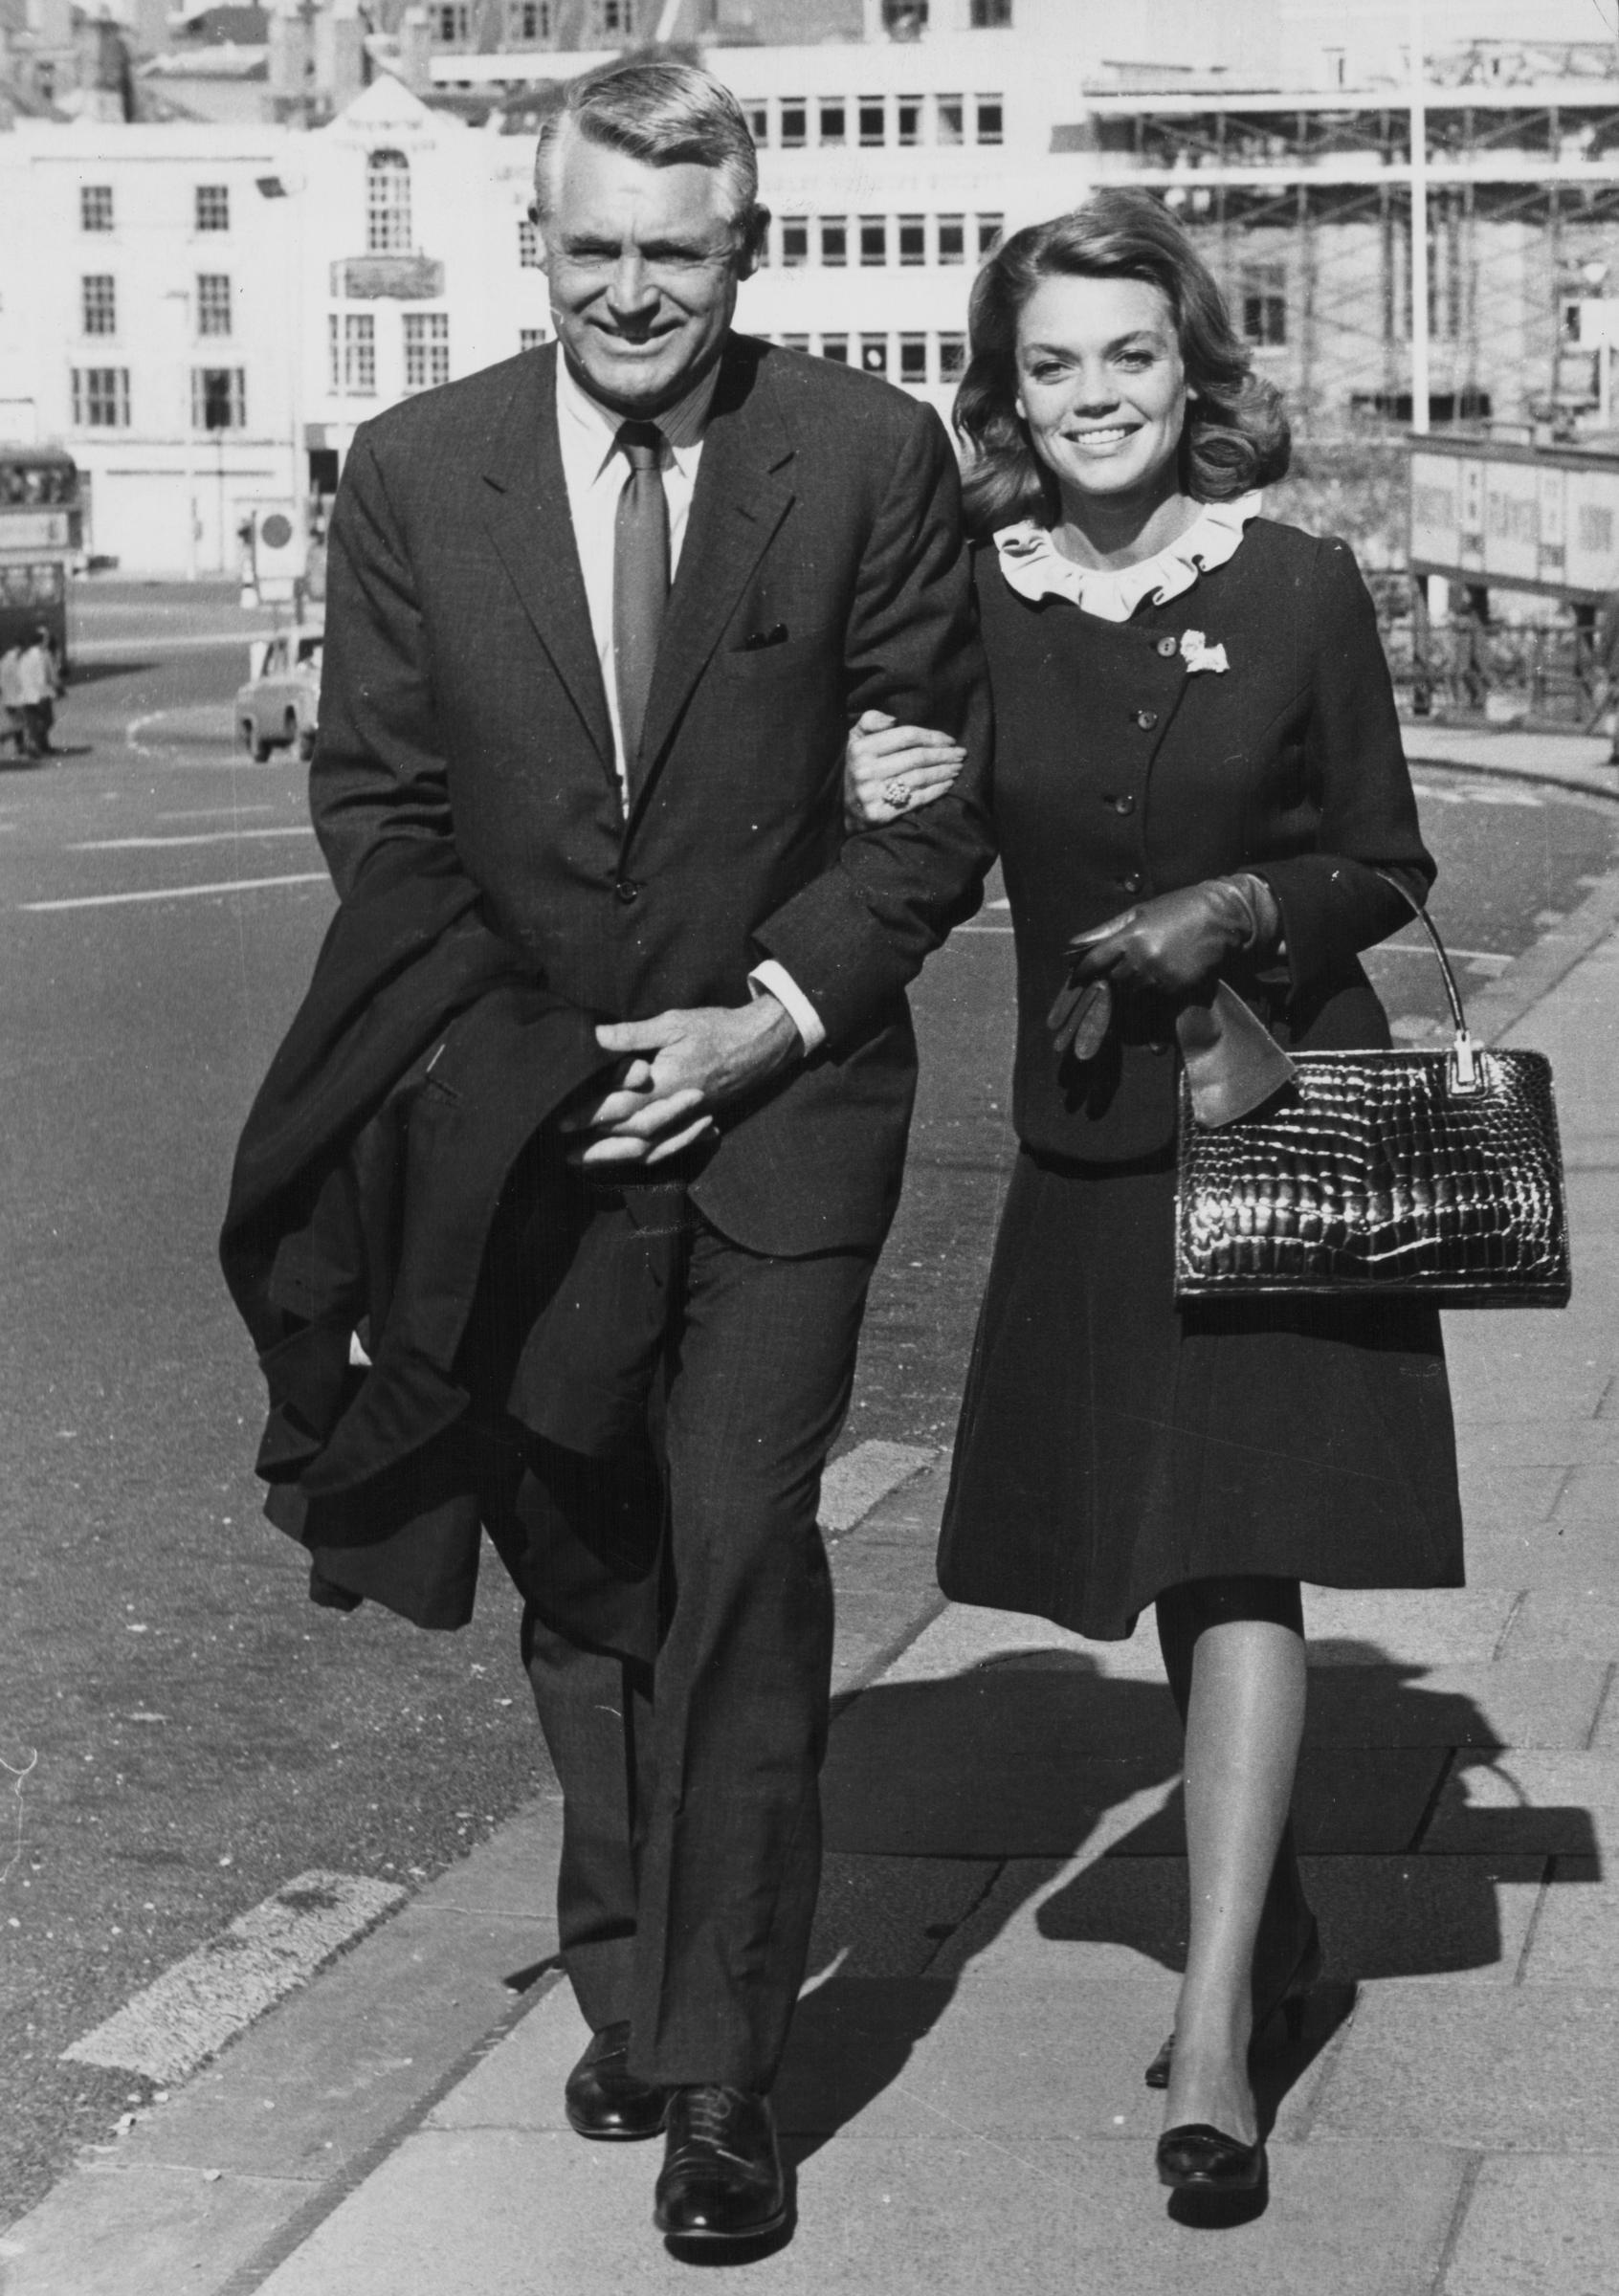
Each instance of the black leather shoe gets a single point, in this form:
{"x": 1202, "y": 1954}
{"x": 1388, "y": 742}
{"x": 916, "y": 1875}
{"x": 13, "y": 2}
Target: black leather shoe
{"x": 722, "y": 2177}
{"x": 1197, "y": 2157}
{"x": 603, "y": 2099}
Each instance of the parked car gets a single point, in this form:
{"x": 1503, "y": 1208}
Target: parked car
{"x": 279, "y": 705}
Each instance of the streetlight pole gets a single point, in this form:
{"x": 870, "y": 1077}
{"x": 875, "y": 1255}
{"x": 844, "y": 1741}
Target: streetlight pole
{"x": 1419, "y": 228}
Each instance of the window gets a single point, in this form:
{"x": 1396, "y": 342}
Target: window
{"x": 614, "y": 17}
{"x": 388, "y": 203}
{"x": 913, "y": 359}
{"x": 528, "y": 21}
{"x": 908, "y": 113}
{"x": 214, "y": 302}
{"x": 795, "y": 343}
{"x": 529, "y": 339}
{"x": 991, "y": 15}
{"x": 835, "y": 241}
{"x": 98, "y": 296}
{"x": 427, "y": 349}
{"x": 795, "y": 240}
{"x": 218, "y": 398}
{"x": 873, "y": 241}
{"x": 988, "y": 116}
{"x": 1262, "y": 293}
{"x": 952, "y": 238}
{"x": 835, "y": 114}
{"x": 949, "y": 115}
{"x": 528, "y": 244}
{"x": 873, "y": 120}
{"x": 912, "y": 233}
{"x": 836, "y": 349}
{"x": 358, "y": 369}
{"x": 212, "y": 207}
{"x": 989, "y": 230}
{"x": 952, "y": 358}
{"x": 758, "y": 118}
{"x": 795, "y": 122}
{"x": 450, "y": 21}
{"x": 874, "y": 354}
{"x": 101, "y": 398}
{"x": 95, "y": 207}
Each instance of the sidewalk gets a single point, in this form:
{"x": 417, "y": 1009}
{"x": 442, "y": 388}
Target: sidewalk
{"x": 1001, "y": 1925}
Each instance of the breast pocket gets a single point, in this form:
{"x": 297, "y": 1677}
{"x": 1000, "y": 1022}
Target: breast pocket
{"x": 793, "y": 657}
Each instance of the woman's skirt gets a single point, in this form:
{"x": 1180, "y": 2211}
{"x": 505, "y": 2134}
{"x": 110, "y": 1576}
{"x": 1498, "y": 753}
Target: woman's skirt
{"x": 1113, "y": 1444}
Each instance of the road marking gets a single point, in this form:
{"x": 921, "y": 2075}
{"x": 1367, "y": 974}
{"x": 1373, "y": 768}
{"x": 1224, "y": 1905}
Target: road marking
{"x": 196, "y": 2006}
{"x": 131, "y": 649}
{"x": 1423, "y": 948}
{"x": 853, "y": 1485}
{"x": 981, "y": 929}
{"x": 131, "y": 844}
{"x": 215, "y": 812}
{"x": 176, "y": 892}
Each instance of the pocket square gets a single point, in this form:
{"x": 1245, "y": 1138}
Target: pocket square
{"x": 759, "y": 639}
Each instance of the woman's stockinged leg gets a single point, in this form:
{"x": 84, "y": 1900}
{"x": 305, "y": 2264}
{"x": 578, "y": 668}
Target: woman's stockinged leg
{"x": 1244, "y": 1710}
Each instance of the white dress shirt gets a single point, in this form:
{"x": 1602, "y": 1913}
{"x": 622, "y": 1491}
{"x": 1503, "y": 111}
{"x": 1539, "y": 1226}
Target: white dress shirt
{"x": 594, "y": 472}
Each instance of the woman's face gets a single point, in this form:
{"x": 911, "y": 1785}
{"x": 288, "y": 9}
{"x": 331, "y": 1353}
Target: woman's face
{"x": 1102, "y": 385}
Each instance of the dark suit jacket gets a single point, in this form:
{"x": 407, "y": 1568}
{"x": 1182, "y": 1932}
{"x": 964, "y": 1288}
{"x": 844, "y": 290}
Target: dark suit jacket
{"x": 462, "y": 703}
{"x": 1120, "y": 774}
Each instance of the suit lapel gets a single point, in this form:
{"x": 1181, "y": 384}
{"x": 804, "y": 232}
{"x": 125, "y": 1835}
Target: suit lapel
{"x": 525, "y": 511}
{"x": 744, "y": 490}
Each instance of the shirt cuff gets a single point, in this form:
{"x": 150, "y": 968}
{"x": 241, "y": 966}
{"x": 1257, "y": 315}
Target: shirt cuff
{"x": 770, "y": 978}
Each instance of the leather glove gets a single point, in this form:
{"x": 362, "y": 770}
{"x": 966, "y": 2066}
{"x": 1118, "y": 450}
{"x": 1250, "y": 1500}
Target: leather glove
{"x": 1171, "y": 945}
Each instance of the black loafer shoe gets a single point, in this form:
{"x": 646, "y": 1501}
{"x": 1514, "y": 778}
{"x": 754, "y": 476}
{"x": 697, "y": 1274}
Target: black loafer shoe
{"x": 722, "y": 2177}
{"x": 604, "y": 2100}
{"x": 1197, "y": 2157}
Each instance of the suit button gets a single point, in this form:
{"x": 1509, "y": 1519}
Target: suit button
{"x": 627, "y": 890}
{"x": 1156, "y": 1047}
{"x": 1146, "y": 719}
{"x": 1132, "y": 883}
{"x": 1165, "y": 646}
{"x": 1125, "y": 804}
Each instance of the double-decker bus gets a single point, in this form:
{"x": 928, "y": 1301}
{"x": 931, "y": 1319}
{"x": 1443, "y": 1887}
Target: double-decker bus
{"x": 41, "y": 533}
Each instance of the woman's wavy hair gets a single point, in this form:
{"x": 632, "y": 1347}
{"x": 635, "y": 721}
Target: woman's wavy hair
{"x": 1236, "y": 433}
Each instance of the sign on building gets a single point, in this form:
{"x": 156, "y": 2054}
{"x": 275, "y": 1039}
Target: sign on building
{"x": 1520, "y": 518}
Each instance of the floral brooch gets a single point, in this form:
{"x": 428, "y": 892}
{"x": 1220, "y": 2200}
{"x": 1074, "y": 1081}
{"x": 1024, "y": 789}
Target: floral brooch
{"x": 1198, "y": 654}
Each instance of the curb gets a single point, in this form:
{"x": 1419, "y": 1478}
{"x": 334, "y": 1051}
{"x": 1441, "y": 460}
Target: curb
{"x": 208, "y": 2193}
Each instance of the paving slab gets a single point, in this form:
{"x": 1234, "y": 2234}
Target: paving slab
{"x": 880, "y": 2216}
{"x": 143, "y": 2231}
{"x": 1493, "y": 1494}
{"x": 1537, "y": 1439}
{"x": 888, "y": 1917}
{"x": 316, "y": 2085}
{"x": 1575, "y": 1926}
{"x": 1365, "y": 1805}
{"x": 1564, "y": 1552}
{"x": 1499, "y": 2068}
{"x": 1560, "y": 1625}
{"x": 1556, "y": 1802}
{"x": 1405, "y": 1625}
{"x": 1539, "y": 2226}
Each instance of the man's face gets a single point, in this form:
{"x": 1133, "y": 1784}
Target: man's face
{"x": 644, "y": 264}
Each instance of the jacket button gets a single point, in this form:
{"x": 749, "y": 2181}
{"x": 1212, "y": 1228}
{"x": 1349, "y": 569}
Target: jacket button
{"x": 627, "y": 890}
{"x": 1132, "y": 883}
{"x": 1165, "y": 646}
{"x": 1146, "y": 719}
{"x": 1156, "y": 1047}
{"x": 1124, "y": 804}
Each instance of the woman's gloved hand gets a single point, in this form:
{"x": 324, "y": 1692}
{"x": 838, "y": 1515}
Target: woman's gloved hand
{"x": 1171, "y": 945}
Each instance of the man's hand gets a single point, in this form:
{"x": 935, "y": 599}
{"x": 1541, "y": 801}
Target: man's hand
{"x": 680, "y": 1066}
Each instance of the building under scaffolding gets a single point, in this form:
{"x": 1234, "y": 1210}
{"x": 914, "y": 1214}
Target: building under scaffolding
{"x": 1303, "y": 204}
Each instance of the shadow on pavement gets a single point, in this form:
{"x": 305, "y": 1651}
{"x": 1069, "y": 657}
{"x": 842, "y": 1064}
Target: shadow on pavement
{"x": 955, "y": 1808}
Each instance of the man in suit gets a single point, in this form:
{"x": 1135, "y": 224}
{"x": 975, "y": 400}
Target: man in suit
{"x": 601, "y": 618}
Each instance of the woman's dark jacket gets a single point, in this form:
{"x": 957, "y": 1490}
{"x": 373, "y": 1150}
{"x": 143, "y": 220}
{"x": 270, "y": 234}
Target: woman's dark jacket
{"x": 1120, "y": 773}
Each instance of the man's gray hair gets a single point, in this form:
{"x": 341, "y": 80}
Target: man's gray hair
{"x": 666, "y": 113}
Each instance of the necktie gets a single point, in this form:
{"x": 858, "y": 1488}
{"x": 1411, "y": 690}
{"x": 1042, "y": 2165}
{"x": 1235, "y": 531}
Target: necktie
{"x": 640, "y": 579}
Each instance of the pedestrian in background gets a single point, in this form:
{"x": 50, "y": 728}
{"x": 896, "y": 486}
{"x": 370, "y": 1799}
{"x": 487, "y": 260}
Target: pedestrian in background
{"x": 1198, "y": 773}
{"x": 39, "y": 683}
{"x": 16, "y": 717}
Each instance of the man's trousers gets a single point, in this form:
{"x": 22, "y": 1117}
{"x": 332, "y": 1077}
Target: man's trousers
{"x": 692, "y": 1829}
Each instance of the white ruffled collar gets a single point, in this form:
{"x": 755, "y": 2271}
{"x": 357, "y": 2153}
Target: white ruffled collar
{"x": 1036, "y": 568}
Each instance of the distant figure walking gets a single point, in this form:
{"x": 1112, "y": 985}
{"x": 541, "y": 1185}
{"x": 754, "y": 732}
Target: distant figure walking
{"x": 14, "y": 725}
{"x": 38, "y": 682}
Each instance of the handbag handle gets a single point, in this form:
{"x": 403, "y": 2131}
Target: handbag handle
{"x": 1465, "y": 1075}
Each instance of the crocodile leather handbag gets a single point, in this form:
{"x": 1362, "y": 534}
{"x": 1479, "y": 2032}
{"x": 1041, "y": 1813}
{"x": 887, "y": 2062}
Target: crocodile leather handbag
{"x": 1419, "y": 1174}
